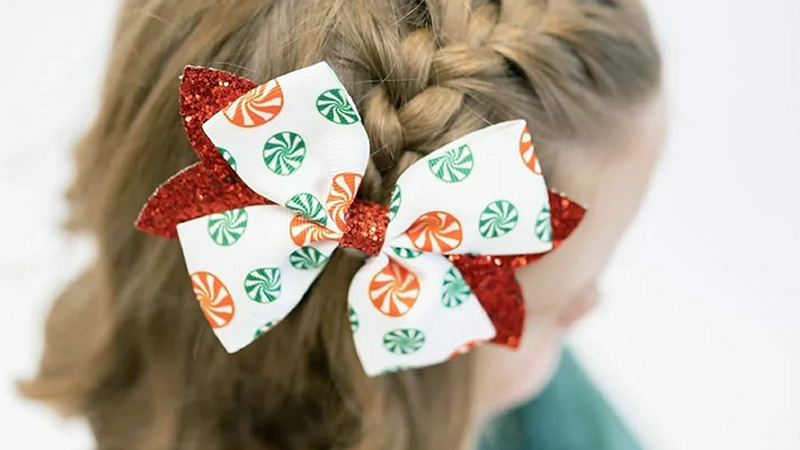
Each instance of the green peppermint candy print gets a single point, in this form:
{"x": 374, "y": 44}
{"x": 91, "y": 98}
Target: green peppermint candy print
{"x": 498, "y": 219}
{"x": 263, "y": 285}
{"x": 455, "y": 289}
{"x": 227, "y": 227}
{"x": 308, "y": 205}
{"x": 544, "y": 226}
{"x": 453, "y": 166}
{"x": 263, "y": 329}
{"x": 284, "y": 153}
{"x": 333, "y": 105}
{"x": 226, "y": 155}
{"x": 406, "y": 253}
{"x": 307, "y": 258}
{"x": 353, "y": 319}
{"x": 404, "y": 341}
{"x": 394, "y": 203}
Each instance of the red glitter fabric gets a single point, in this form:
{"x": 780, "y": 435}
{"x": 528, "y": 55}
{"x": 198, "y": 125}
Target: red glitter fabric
{"x": 203, "y": 93}
{"x": 211, "y": 186}
{"x": 365, "y": 227}
{"x": 493, "y": 283}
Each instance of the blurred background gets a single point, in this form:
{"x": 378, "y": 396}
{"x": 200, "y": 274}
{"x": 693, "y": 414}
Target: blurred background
{"x": 697, "y": 342}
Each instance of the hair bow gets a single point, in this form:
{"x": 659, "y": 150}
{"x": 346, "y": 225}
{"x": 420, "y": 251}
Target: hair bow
{"x": 274, "y": 194}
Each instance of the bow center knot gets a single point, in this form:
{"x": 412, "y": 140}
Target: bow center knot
{"x": 365, "y": 227}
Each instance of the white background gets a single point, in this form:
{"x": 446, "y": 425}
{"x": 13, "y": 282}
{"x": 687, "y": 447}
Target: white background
{"x": 698, "y": 339}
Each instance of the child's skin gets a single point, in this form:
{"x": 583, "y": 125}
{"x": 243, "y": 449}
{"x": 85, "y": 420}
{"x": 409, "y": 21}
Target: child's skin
{"x": 610, "y": 176}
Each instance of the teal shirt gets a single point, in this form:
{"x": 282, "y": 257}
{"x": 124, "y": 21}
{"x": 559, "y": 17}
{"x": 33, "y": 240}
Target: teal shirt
{"x": 570, "y": 414}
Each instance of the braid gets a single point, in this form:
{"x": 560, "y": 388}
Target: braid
{"x": 439, "y": 69}
{"x": 421, "y": 99}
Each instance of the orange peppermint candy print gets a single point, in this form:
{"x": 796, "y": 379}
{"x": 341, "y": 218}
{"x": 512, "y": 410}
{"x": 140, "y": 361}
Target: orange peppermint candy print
{"x": 256, "y": 107}
{"x": 214, "y": 298}
{"x": 527, "y": 151}
{"x": 305, "y": 231}
{"x": 394, "y": 290}
{"x": 435, "y": 231}
{"x": 343, "y": 191}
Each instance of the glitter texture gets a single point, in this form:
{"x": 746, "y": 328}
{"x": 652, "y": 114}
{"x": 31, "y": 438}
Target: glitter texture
{"x": 365, "y": 227}
{"x": 210, "y": 186}
{"x": 493, "y": 283}
{"x": 566, "y": 215}
{"x": 203, "y": 93}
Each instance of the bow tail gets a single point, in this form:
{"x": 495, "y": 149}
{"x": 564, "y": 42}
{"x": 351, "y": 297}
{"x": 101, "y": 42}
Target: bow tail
{"x": 250, "y": 267}
{"x": 412, "y": 309}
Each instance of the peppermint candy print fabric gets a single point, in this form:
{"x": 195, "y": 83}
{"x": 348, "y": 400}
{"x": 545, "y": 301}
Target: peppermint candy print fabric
{"x": 418, "y": 310}
{"x": 413, "y": 313}
{"x": 254, "y": 281}
{"x": 290, "y": 137}
{"x": 488, "y": 199}
{"x": 298, "y": 141}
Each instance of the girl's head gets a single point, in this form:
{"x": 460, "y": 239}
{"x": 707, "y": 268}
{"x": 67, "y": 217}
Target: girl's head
{"x": 127, "y": 345}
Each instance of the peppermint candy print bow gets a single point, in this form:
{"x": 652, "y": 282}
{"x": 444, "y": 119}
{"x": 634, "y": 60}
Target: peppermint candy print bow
{"x": 275, "y": 194}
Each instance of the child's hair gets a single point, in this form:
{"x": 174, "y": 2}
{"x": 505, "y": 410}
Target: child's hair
{"x": 127, "y": 345}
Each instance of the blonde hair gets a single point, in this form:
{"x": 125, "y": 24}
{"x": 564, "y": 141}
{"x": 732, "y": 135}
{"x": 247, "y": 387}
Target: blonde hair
{"x": 126, "y": 344}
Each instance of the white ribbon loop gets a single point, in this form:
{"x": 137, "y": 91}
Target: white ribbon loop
{"x": 490, "y": 197}
{"x": 246, "y": 273}
{"x": 481, "y": 194}
{"x": 413, "y": 312}
{"x": 297, "y": 140}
